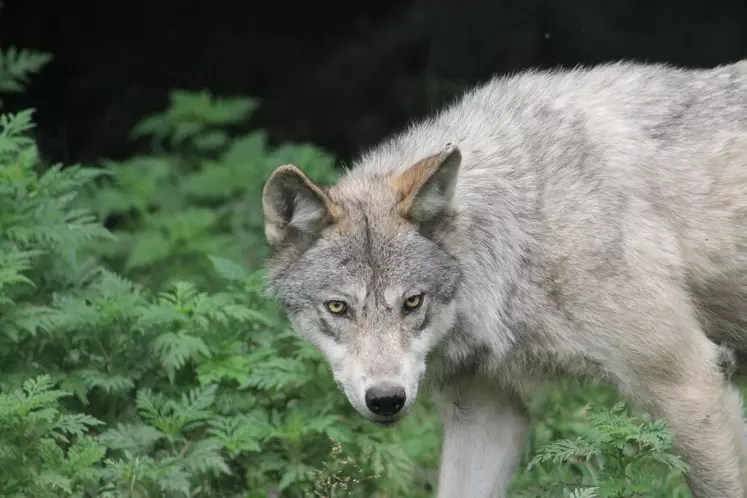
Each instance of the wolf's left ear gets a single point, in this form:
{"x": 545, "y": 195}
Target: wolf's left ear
{"x": 426, "y": 189}
{"x": 295, "y": 209}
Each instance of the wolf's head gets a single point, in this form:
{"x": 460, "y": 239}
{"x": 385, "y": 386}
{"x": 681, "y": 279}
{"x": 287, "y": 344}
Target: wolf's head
{"x": 360, "y": 272}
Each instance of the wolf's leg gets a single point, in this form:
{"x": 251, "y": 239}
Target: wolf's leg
{"x": 704, "y": 411}
{"x": 484, "y": 430}
{"x": 677, "y": 372}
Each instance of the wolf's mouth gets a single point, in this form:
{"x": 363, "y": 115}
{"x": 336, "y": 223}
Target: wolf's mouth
{"x": 387, "y": 422}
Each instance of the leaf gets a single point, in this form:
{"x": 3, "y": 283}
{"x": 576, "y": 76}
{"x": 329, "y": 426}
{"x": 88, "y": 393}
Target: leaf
{"x": 211, "y": 140}
{"x": 215, "y": 370}
{"x": 590, "y": 492}
{"x": 175, "y": 349}
{"x": 228, "y": 269}
{"x": 150, "y": 247}
{"x": 109, "y": 383}
{"x": 289, "y": 477}
{"x": 204, "y": 457}
{"x": 131, "y": 437}
{"x": 17, "y": 65}
{"x": 73, "y": 425}
{"x": 239, "y": 434}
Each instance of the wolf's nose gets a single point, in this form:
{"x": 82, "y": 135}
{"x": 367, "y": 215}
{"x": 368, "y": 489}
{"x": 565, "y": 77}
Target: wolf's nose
{"x": 385, "y": 399}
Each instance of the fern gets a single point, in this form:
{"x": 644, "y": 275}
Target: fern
{"x": 177, "y": 348}
{"x": 584, "y": 493}
{"x": 239, "y": 434}
{"x": 33, "y": 460}
{"x": 629, "y": 457}
{"x": 174, "y": 417}
{"x": 192, "y": 116}
{"x": 16, "y": 66}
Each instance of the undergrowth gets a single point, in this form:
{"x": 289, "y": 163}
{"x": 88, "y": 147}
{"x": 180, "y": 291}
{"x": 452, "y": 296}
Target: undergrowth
{"x": 144, "y": 360}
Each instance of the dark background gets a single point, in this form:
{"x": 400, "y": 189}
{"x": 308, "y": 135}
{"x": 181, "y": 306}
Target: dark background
{"x": 342, "y": 75}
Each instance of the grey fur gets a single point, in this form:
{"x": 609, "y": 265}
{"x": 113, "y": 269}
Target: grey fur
{"x": 586, "y": 222}
{"x": 727, "y": 362}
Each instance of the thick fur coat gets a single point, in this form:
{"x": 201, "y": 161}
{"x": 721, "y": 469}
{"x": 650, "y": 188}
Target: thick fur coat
{"x": 586, "y": 222}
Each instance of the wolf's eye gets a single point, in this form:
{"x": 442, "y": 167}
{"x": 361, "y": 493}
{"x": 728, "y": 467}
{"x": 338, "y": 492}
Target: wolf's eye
{"x": 336, "y": 307}
{"x": 413, "y": 302}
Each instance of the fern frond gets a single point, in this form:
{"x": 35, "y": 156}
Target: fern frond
{"x": 73, "y": 425}
{"x": 108, "y": 383}
{"x": 590, "y": 492}
{"x": 133, "y": 438}
{"x": 562, "y": 450}
{"x": 175, "y": 349}
{"x": 204, "y": 457}
{"x": 16, "y": 66}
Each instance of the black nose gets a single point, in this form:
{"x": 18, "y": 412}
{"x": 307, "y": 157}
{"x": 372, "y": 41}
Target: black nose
{"x": 385, "y": 400}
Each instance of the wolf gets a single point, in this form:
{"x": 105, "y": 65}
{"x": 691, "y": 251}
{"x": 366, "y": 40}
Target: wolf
{"x": 587, "y": 222}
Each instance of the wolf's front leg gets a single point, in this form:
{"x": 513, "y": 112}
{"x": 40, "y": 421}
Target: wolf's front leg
{"x": 484, "y": 430}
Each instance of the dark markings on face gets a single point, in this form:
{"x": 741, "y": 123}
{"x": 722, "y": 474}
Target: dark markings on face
{"x": 368, "y": 250}
{"x": 424, "y": 324}
{"x": 326, "y": 328}
{"x": 374, "y": 252}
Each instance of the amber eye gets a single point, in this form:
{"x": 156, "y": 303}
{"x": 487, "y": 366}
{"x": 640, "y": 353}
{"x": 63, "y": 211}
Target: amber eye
{"x": 337, "y": 307}
{"x": 413, "y": 302}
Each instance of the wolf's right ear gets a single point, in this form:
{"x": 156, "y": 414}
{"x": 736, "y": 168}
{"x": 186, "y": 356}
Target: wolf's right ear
{"x": 294, "y": 208}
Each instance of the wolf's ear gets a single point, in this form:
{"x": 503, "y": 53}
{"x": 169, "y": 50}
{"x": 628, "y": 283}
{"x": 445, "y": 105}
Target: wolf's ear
{"x": 294, "y": 208}
{"x": 426, "y": 189}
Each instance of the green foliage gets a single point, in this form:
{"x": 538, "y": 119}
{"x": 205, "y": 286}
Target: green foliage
{"x": 197, "y": 194}
{"x": 618, "y": 457}
{"x": 32, "y": 461}
{"x": 16, "y": 66}
{"x": 145, "y": 361}
{"x": 190, "y": 380}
